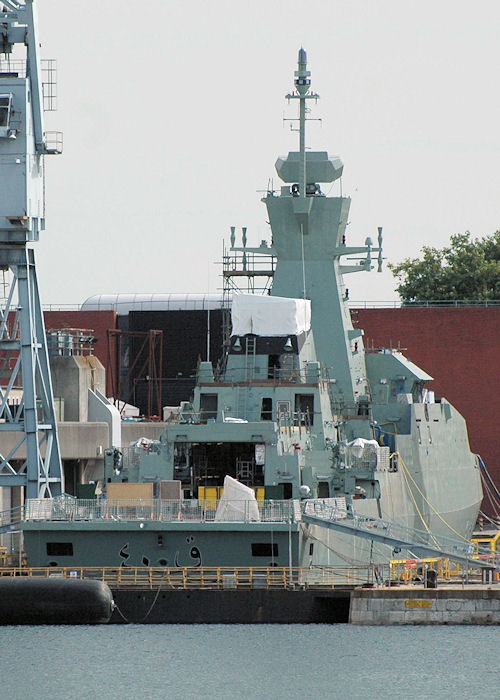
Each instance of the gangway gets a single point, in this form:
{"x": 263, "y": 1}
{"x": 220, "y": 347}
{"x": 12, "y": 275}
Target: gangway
{"x": 419, "y": 542}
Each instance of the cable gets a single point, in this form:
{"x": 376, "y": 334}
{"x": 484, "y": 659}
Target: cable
{"x": 495, "y": 503}
{"x": 418, "y": 511}
{"x": 123, "y": 616}
{"x": 152, "y": 604}
{"x": 483, "y": 514}
{"x": 348, "y": 560}
{"x": 488, "y": 490}
{"x": 303, "y": 263}
{"x": 138, "y": 622}
{"x": 483, "y": 465}
{"x": 405, "y": 468}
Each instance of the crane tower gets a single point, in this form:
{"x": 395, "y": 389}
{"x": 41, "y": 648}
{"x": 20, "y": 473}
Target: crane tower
{"x": 32, "y": 458}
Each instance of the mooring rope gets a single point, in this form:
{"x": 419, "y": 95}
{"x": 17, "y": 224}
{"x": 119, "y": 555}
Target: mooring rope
{"x": 138, "y": 622}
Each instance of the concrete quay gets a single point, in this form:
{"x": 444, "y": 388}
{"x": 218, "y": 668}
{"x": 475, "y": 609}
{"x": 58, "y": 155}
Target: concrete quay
{"x": 411, "y": 605}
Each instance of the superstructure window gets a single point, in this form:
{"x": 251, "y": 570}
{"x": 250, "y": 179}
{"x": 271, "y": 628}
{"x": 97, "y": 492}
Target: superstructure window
{"x": 5, "y": 103}
{"x": 274, "y": 366}
{"x": 267, "y": 409}
{"x": 208, "y": 407}
{"x": 60, "y": 549}
{"x": 287, "y": 490}
{"x": 264, "y": 549}
{"x": 323, "y": 489}
{"x": 304, "y": 406}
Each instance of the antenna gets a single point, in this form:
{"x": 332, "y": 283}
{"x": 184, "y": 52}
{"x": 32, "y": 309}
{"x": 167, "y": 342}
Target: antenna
{"x": 302, "y": 84}
{"x": 380, "y": 258}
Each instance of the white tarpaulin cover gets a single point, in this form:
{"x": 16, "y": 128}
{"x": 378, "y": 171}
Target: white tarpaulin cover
{"x": 238, "y": 502}
{"x": 360, "y": 447}
{"x": 270, "y": 316}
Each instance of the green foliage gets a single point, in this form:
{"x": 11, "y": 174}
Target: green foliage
{"x": 466, "y": 270}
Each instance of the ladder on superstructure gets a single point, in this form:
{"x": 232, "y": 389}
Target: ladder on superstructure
{"x": 250, "y": 348}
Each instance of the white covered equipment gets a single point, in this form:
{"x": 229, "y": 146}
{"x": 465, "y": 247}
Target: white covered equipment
{"x": 238, "y": 503}
{"x": 270, "y": 316}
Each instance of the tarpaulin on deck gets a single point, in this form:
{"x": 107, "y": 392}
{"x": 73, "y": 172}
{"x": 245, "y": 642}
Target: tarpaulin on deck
{"x": 270, "y": 316}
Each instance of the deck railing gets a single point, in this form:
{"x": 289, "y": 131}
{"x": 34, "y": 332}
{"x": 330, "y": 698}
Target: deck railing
{"x": 73, "y": 509}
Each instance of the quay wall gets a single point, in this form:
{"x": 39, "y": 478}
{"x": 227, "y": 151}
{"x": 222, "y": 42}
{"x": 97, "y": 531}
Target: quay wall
{"x": 425, "y": 606}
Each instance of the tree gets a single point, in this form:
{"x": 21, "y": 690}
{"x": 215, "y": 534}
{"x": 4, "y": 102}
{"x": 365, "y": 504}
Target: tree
{"x": 466, "y": 270}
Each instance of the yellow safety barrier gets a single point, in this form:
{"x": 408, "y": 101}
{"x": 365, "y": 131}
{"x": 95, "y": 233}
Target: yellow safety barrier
{"x": 487, "y": 541}
{"x": 213, "y": 494}
{"x": 413, "y": 570}
{"x": 208, "y": 577}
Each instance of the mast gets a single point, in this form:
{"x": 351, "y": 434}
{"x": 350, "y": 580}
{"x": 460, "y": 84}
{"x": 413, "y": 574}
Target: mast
{"x": 309, "y": 241}
{"x": 302, "y": 83}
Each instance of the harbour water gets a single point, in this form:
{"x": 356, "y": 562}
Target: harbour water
{"x": 248, "y": 661}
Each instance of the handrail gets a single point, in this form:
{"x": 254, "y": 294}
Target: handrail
{"x": 430, "y": 303}
{"x": 403, "y": 571}
{"x": 10, "y": 518}
{"x": 219, "y": 578}
{"x": 392, "y": 533}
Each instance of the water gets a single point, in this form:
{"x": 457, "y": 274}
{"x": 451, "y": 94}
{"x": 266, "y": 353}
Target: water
{"x": 248, "y": 661}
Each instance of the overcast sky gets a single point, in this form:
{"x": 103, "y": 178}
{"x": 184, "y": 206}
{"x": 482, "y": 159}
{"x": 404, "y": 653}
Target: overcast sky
{"x": 172, "y": 119}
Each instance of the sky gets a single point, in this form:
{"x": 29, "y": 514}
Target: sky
{"x": 172, "y": 114}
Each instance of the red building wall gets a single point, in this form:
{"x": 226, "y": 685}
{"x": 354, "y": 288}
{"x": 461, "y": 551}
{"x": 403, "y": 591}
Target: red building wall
{"x": 97, "y": 321}
{"x": 460, "y": 347}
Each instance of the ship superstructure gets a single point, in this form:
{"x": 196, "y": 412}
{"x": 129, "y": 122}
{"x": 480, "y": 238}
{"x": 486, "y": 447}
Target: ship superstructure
{"x": 296, "y": 410}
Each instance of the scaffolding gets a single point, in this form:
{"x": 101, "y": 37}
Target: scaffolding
{"x": 245, "y": 270}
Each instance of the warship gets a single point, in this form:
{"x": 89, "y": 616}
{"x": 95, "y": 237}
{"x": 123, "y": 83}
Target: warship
{"x": 298, "y": 416}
